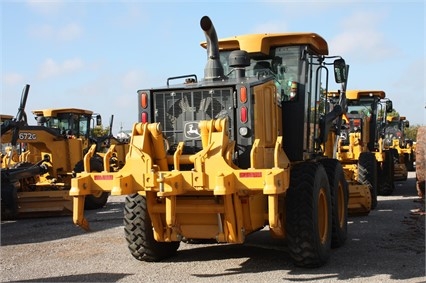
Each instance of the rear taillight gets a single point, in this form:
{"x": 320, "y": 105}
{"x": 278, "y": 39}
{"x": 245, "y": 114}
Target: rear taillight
{"x": 144, "y": 117}
{"x": 243, "y": 114}
{"x": 243, "y": 109}
{"x": 243, "y": 94}
{"x": 144, "y": 100}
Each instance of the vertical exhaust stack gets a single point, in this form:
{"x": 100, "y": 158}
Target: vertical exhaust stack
{"x": 214, "y": 68}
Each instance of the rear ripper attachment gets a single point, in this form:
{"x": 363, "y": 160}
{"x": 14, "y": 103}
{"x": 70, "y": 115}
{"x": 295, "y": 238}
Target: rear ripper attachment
{"x": 212, "y": 188}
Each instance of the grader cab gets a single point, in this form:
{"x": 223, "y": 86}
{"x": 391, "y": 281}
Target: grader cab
{"x": 41, "y": 160}
{"x": 226, "y": 156}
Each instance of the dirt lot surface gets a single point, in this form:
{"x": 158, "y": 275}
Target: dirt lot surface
{"x": 388, "y": 245}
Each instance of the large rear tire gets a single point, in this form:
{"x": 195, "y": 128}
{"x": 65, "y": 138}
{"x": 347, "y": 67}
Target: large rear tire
{"x": 386, "y": 172}
{"x": 367, "y": 174}
{"x": 339, "y": 201}
{"x": 99, "y": 199}
{"x": 409, "y": 161}
{"x": 309, "y": 215}
{"x": 139, "y": 232}
{"x": 9, "y": 199}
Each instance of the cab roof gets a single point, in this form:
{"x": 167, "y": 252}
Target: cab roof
{"x": 4, "y": 117}
{"x": 255, "y": 43}
{"x": 53, "y": 112}
{"x": 354, "y": 94}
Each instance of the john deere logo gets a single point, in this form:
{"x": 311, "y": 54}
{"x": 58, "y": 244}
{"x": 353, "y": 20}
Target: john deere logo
{"x": 191, "y": 130}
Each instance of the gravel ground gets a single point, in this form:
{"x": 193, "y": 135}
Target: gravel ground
{"x": 388, "y": 245}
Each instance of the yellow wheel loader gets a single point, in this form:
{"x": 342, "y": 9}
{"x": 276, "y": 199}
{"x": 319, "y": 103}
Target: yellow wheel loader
{"x": 233, "y": 153}
{"x": 36, "y": 176}
{"x": 402, "y": 148}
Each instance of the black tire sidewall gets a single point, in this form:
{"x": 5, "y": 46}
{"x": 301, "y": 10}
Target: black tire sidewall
{"x": 305, "y": 247}
{"x": 367, "y": 174}
{"x": 138, "y": 231}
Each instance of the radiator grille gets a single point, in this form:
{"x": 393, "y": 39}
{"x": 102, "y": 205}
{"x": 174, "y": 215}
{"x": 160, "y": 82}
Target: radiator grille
{"x": 180, "y": 111}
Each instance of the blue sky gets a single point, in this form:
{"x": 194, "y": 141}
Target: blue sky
{"x": 96, "y": 54}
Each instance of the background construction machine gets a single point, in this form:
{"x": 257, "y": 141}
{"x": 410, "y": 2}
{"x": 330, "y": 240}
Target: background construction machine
{"x": 360, "y": 147}
{"x": 5, "y": 117}
{"x": 41, "y": 160}
{"x": 402, "y": 148}
{"x": 223, "y": 157}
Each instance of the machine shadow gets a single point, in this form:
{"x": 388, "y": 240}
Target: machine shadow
{"x": 89, "y": 277}
{"x": 33, "y": 230}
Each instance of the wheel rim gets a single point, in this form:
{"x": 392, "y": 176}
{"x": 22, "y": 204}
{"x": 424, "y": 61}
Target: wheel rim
{"x": 322, "y": 216}
{"x": 341, "y": 205}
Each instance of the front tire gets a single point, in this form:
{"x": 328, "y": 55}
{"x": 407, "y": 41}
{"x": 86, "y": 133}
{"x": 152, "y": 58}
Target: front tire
{"x": 9, "y": 199}
{"x": 387, "y": 185}
{"x": 409, "y": 161}
{"x": 309, "y": 215}
{"x": 139, "y": 232}
{"x": 339, "y": 201}
{"x": 367, "y": 174}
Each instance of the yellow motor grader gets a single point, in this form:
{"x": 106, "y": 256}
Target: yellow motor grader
{"x": 235, "y": 152}
{"x": 403, "y": 149}
{"x": 360, "y": 147}
{"x": 41, "y": 160}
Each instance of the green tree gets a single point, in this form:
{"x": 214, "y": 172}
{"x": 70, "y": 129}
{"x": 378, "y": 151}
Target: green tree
{"x": 411, "y": 132}
{"x": 394, "y": 113}
{"x": 99, "y": 131}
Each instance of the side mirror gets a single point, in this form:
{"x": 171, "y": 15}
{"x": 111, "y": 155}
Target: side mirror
{"x": 340, "y": 71}
{"x": 98, "y": 120}
{"x": 407, "y": 124}
{"x": 389, "y": 106}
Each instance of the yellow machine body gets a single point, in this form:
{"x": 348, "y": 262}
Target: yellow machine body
{"x": 58, "y": 143}
{"x": 222, "y": 158}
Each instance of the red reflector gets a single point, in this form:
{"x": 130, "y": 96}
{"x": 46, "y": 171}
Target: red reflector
{"x": 144, "y": 100}
{"x": 144, "y": 117}
{"x": 243, "y": 115}
{"x": 250, "y": 174}
{"x": 103, "y": 177}
{"x": 243, "y": 94}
